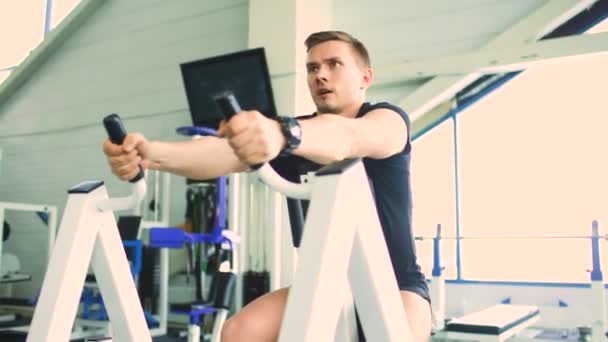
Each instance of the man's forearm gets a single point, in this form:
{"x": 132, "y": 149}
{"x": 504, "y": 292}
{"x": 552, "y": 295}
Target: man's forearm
{"x": 327, "y": 138}
{"x": 204, "y": 158}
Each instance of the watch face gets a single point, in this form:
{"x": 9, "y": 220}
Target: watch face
{"x": 296, "y": 131}
{"x": 292, "y": 132}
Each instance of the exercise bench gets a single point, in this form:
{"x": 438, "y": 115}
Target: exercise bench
{"x": 493, "y": 324}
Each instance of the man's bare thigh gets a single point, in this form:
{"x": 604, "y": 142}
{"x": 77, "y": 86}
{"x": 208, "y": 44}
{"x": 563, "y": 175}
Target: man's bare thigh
{"x": 261, "y": 319}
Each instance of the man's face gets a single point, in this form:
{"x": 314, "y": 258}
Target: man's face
{"x": 336, "y": 77}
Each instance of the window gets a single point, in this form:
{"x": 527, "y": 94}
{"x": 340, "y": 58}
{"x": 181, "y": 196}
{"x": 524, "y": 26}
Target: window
{"x": 21, "y": 29}
{"x": 60, "y": 10}
{"x": 22, "y": 26}
{"x": 4, "y": 75}
{"x": 433, "y": 191}
{"x": 601, "y": 27}
{"x": 533, "y": 161}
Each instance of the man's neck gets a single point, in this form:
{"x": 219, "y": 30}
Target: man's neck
{"x": 348, "y": 112}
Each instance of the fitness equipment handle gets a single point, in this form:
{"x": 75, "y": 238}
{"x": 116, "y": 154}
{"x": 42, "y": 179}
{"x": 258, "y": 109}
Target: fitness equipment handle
{"x": 229, "y": 106}
{"x": 117, "y": 133}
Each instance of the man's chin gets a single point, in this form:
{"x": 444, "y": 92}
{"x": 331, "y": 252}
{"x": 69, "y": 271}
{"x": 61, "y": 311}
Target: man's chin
{"x": 327, "y": 109}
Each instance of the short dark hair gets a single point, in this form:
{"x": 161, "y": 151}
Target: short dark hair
{"x": 324, "y": 36}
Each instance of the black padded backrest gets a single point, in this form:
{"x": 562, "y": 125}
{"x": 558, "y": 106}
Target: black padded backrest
{"x": 296, "y": 220}
{"x": 149, "y": 278}
{"x": 128, "y": 227}
{"x": 222, "y": 289}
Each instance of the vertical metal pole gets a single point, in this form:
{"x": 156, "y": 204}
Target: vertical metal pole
{"x": 47, "y": 19}
{"x": 457, "y": 199}
{"x": 598, "y": 310}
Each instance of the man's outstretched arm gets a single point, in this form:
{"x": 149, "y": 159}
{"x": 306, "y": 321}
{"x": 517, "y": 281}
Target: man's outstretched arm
{"x": 329, "y": 138}
{"x": 204, "y": 158}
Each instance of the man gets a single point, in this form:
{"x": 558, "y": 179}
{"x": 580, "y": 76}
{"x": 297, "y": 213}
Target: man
{"x": 344, "y": 126}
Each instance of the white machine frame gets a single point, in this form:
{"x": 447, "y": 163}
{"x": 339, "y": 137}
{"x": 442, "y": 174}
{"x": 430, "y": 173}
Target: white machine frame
{"x": 89, "y": 234}
{"x": 160, "y": 185}
{"x": 343, "y": 257}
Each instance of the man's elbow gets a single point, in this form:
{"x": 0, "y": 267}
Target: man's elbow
{"x": 383, "y": 151}
{"x": 377, "y": 151}
{"x": 360, "y": 147}
{"x": 332, "y": 158}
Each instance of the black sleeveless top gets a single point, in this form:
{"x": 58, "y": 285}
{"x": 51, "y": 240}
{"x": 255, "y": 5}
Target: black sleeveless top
{"x": 391, "y": 186}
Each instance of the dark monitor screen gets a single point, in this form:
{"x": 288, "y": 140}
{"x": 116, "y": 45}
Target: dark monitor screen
{"x": 244, "y": 73}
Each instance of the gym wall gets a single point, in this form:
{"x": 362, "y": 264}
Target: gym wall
{"x": 125, "y": 59}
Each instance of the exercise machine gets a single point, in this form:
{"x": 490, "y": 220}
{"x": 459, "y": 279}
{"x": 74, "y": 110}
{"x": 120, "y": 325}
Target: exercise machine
{"x": 218, "y": 298}
{"x": 343, "y": 257}
{"x": 48, "y": 211}
{"x": 10, "y": 266}
{"x": 222, "y": 286}
{"x": 154, "y": 209}
{"x": 89, "y": 234}
{"x": 504, "y": 321}
{"x": 493, "y": 324}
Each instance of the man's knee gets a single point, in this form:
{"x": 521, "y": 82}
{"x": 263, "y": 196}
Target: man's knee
{"x": 258, "y": 321}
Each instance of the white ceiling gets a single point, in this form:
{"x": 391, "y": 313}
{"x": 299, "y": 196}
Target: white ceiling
{"x": 402, "y": 30}
{"x": 425, "y": 51}
{"x": 412, "y": 41}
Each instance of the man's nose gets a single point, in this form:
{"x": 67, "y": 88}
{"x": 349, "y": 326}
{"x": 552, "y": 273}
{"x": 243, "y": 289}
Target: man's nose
{"x": 321, "y": 74}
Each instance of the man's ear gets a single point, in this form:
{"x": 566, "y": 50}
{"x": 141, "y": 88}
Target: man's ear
{"x": 368, "y": 77}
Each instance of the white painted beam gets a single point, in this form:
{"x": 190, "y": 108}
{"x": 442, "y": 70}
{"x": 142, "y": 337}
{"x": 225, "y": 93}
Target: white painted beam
{"x": 426, "y": 97}
{"x": 538, "y": 24}
{"x": 499, "y": 59}
{"x": 529, "y": 29}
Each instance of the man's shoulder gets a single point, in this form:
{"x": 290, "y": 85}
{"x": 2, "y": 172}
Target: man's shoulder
{"x": 368, "y": 107}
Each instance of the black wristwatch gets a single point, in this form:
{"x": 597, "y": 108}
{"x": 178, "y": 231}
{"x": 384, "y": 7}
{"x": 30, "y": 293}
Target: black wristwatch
{"x": 290, "y": 127}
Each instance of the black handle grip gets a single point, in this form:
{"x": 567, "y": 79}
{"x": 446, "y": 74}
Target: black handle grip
{"x": 117, "y": 133}
{"x": 229, "y": 106}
